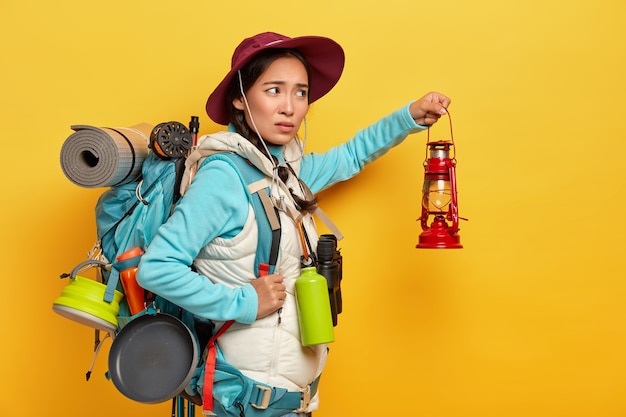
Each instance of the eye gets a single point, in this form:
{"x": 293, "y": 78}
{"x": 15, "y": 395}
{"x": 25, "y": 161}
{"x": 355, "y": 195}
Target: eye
{"x": 302, "y": 93}
{"x": 272, "y": 90}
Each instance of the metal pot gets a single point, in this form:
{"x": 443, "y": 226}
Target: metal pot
{"x": 153, "y": 358}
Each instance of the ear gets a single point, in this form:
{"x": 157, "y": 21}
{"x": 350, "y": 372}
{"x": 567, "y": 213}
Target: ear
{"x": 238, "y": 103}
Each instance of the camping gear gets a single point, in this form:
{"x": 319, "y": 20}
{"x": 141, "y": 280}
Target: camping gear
{"x": 127, "y": 264}
{"x": 171, "y": 140}
{"x": 105, "y": 157}
{"x": 439, "y": 196}
{"x": 330, "y": 265}
{"x": 82, "y": 300}
{"x": 128, "y": 216}
{"x": 153, "y": 358}
{"x": 314, "y": 313}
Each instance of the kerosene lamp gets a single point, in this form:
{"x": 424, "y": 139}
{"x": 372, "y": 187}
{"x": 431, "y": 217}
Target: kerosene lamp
{"x": 440, "y": 208}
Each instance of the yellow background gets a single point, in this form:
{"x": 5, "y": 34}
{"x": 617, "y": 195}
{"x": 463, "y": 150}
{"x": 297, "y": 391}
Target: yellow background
{"x": 527, "y": 320}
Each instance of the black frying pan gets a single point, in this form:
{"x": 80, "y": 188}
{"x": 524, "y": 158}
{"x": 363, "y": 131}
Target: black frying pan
{"x": 153, "y": 358}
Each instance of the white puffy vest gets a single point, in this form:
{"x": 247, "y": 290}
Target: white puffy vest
{"x": 269, "y": 350}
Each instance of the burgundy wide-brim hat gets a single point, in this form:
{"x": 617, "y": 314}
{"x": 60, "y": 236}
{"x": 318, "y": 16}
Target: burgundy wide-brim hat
{"x": 325, "y": 57}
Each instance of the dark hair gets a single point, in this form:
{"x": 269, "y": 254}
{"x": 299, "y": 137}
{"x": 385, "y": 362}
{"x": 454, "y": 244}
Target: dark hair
{"x": 250, "y": 73}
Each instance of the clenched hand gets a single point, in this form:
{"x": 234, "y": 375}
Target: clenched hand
{"x": 271, "y": 293}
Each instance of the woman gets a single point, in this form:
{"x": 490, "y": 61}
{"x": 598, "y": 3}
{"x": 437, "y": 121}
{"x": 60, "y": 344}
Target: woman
{"x": 202, "y": 259}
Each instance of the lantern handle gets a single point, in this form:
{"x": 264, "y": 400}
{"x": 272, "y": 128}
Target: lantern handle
{"x": 450, "y": 122}
{"x": 454, "y": 204}
{"x": 451, "y": 135}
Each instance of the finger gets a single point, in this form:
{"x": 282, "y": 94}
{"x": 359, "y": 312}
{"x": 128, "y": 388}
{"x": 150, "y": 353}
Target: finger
{"x": 439, "y": 101}
{"x": 443, "y": 101}
{"x": 277, "y": 278}
{"x": 438, "y": 98}
{"x": 430, "y": 118}
{"x": 432, "y": 109}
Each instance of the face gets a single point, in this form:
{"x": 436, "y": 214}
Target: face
{"x": 278, "y": 101}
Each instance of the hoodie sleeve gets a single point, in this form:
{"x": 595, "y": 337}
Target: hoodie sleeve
{"x": 320, "y": 171}
{"x": 205, "y": 212}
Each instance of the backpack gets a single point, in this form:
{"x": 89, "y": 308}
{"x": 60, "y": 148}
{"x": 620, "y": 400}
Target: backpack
{"x": 128, "y": 216}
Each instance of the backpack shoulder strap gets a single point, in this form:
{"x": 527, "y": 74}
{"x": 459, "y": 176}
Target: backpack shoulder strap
{"x": 268, "y": 222}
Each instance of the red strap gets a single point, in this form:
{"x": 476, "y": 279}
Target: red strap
{"x": 209, "y": 368}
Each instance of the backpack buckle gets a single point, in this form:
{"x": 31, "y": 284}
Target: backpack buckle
{"x": 267, "y": 396}
{"x": 305, "y": 400}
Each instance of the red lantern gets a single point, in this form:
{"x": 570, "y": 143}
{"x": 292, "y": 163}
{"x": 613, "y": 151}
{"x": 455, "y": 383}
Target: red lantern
{"x": 439, "y": 196}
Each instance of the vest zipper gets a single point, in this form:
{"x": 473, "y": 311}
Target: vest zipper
{"x": 277, "y": 342}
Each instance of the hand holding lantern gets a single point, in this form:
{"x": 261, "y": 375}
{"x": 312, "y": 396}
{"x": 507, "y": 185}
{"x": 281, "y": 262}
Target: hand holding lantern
{"x": 439, "y": 196}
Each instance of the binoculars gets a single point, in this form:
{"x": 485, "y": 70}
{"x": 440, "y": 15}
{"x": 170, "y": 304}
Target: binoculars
{"x": 330, "y": 265}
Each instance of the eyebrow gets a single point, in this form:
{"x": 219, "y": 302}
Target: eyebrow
{"x": 301, "y": 85}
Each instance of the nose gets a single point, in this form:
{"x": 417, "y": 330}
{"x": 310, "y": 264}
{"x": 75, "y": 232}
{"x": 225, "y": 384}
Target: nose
{"x": 286, "y": 106}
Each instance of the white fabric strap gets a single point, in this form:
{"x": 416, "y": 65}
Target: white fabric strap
{"x": 319, "y": 213}
{"x": 193, "y": 161}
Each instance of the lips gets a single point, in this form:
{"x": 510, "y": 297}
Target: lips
{"x": 284, "y": 127}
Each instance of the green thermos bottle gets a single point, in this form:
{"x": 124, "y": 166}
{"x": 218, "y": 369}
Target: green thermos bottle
{"x": 314, "y": 314}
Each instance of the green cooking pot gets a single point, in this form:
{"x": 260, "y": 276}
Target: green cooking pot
{"x": 82, "y": 300}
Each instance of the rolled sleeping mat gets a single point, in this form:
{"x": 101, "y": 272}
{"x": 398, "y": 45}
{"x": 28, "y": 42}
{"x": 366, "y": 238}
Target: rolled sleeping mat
{"x": 94, "y": 157}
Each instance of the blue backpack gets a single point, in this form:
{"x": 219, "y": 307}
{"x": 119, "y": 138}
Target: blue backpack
{"x": 129, "y": 215}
